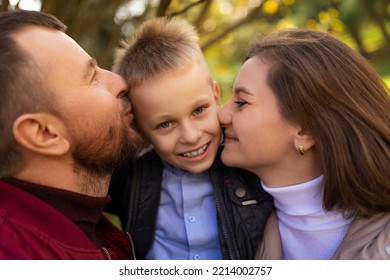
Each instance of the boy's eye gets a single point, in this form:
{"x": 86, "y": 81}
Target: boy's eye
{"x": 240, "y": 103}
{"x": 198, "y": 110}
{"x": 164, "y": 125}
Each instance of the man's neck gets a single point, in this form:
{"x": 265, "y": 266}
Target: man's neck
{"x": 92, "y": 184}
{"x": 66, "y": 178}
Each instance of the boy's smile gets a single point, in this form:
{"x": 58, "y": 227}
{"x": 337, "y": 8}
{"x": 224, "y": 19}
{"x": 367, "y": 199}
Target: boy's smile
{"x": 196, "y": 153}
{"x": 178, "y": 114}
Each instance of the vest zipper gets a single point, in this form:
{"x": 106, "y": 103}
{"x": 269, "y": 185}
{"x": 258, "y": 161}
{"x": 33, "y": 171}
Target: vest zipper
{"x": 133, "y": 200}
{"x": 107, "y": 253}
{"x": 221, "y": 225}
{"x": 216, "y": 181}
{"x": 131, "y": 244}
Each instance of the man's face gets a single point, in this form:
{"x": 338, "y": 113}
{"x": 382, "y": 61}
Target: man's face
{"x": 91, "y": 102}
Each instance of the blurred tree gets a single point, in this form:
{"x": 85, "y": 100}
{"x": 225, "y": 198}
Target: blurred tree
{"x": 377, "y": 10}
{"x": 225, "y": 26}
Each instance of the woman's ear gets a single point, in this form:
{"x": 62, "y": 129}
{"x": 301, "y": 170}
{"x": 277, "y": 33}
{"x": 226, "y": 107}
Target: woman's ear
{"x": 303, "y": 141}
{"x": 41, "y": 133}
{"x": 217, "y": 93}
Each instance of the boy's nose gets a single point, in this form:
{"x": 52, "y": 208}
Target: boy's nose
{"x": 190, "y": 133}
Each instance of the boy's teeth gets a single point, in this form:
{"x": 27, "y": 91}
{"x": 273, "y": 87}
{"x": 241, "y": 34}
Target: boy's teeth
{"x": 196, "y": 153}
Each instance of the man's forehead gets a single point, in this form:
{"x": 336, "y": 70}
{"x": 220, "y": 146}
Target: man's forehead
{"x": 51, "y": 47}
{"x": 38, "y": 40}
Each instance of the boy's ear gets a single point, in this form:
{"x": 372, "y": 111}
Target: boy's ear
{"x": 217, "y": 93}
{"x": 41, "y": 133}
{"x": 303, "y": 138}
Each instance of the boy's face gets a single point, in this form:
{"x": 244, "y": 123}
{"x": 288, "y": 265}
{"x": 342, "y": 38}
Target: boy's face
{"x": 178, "y": 115}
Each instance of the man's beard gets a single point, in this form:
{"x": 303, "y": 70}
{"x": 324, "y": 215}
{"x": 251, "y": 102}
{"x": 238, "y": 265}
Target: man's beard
{"x": 102, "y": 154}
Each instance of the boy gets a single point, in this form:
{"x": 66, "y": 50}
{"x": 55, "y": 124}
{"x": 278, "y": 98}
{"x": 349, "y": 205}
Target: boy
{"x": 178, "y": 201}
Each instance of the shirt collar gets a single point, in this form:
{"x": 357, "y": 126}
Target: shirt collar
{"x": 83, "y": 210}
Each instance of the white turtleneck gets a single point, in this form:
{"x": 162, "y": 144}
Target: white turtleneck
{"x": 307, "y": 231}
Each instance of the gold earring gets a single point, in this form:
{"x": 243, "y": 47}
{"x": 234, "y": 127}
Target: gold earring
{"x": 301, "y": 149}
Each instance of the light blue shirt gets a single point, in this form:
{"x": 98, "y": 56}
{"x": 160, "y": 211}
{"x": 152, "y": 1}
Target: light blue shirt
{"x": 187, "y": 220}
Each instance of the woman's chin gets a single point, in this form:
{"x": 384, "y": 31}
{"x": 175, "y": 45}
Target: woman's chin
{"x": 228, "y": 158}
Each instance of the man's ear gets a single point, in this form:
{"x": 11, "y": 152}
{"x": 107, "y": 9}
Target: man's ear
{"x": 303, "y": 138}
{"x": 42, "y": 133}
{"x": 217, "y": 93}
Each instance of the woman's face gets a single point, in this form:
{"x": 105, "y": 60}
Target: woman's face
{"x": 257, "y": 137}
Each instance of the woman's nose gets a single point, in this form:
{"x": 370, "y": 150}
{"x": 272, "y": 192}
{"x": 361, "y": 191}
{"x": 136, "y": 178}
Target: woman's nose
{"x": 224, "y": 115}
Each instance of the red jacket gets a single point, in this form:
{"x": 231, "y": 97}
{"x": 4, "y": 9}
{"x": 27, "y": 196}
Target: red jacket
{"x": 32, "y": 229}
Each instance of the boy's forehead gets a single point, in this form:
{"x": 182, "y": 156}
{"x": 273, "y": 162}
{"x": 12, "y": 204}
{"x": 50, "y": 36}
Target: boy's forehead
{"x": 179, "y": 78}
{"x": 161, "y": 74}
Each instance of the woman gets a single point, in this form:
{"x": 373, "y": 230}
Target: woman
{"x": 311, "y": 118}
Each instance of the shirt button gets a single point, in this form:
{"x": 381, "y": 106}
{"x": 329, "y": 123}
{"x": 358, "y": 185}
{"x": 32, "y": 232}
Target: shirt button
{"x": 240, "y": 192}
{"x": 190, "y": 175}
{"x": 196, "y": 257}
{"x": 387, "y": 249}
{"x": 191, "y": 219}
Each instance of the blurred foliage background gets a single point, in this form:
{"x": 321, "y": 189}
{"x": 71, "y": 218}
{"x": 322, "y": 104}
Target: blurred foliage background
{"x": 225, "y": 26}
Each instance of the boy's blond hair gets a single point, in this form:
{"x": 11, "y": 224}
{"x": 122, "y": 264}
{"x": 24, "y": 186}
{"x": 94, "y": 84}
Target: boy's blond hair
{"x": 159, "y": 47}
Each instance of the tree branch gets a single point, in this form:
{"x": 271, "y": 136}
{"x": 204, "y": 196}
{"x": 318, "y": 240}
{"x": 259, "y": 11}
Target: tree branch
{"x": 188, "y": 7}
{"x": 254, "y": 14}
{"x": 202, "y": 15}
{"x": 163, "y": 7}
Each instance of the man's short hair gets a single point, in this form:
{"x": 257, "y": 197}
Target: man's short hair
{"x": 23, "y": 88}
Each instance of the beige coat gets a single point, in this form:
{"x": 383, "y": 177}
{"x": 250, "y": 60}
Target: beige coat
{"x": 366, "y": 239}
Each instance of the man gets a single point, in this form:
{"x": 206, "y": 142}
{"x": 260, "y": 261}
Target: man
{"x": 65, "y": 125}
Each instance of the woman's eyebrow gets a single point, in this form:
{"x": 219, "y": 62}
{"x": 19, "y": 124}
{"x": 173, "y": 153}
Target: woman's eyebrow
{"x": 243, "y": 90}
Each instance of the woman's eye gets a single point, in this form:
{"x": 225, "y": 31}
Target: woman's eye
{"x": 198, "y": 110}
{"x": 240, "y": 103}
